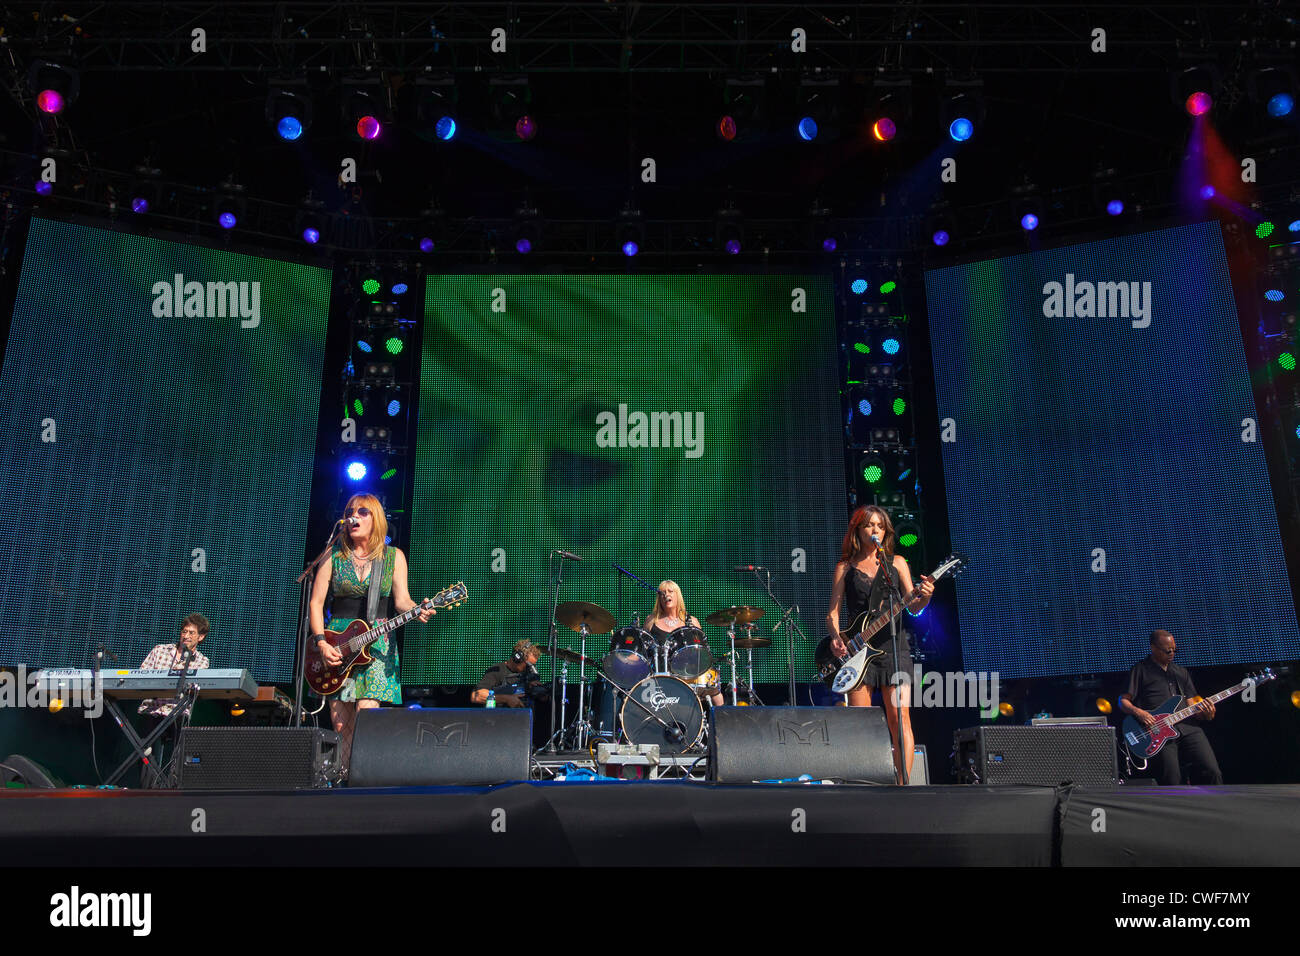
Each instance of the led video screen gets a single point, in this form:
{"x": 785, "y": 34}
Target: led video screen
{"x": 1102, "y": 461}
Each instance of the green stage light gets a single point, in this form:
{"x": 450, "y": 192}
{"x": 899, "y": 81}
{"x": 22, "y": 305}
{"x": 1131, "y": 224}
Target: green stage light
{"x": 872, "y": 473}
{"x": 1287, "y": 361}
{"x": 889, "y": 286}
{"x": 394, "y": 345}
{"x": 862, "y": 347}
{"x": 900, "y": 406}
{"x": 388, "y": 474}
{"x": 370, "y": 286}
{"x": 357, "y": 406}
{"x": 1264, "y": 230}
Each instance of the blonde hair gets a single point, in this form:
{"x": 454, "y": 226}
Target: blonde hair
{"x": 658, "y": 608}
{"x": 378, "y": 527}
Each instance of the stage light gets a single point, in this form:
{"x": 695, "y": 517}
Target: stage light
{"x": 394, "y": 407}
{"x": 630, "y": 248}
{"x": 629, "y": 232}
{"x": 54, "y": 85}
{"x": 940, "y": 237}
{"x": 888, "y": 287}
{"x": 1207, "y": 191}
{"x": 1199, "y": 103}
{"x": 859, "y": 286}
{"x": 1264, "y": 230}
{"x": 1029, "y": 222}
{"x": 726, "y": 129}
{"x": 227, "y": 220}
{"x": 364, "y": 346}
{"x": 230, "y": 205}
{"x": 445, "y": 128}
{"x": 311, "y": 235}
{"x": 961, "y": 129}
{"x": 873, "y": 469}
{"x": 399, "y": 288}
{"x": 900, "y": 406}
{"x": 1104, "y": 706}
{"x": 829, "y": 244}
{"x": 1295, "y": 698}
{"x": 1294, "y": 226}
{"x": 1287, "y": 361}
{"x": 369, "y": 127}
{"x": 733, "y": 247}
{"x": 363, "y": 114}
{"x": 358, "y": 407}
{"x": 356, "y": 469}
{"x": 907, "y": 531}
{"x": 864, "y": 407}
{"x": 1274, "y": 295}
{"x": 1115, "y": 207}
{"x": 1281, "y": 104}
{"x": 523, "y": 246}
{"x": 807, "y": 129}
{"x": 394, "y": 344}
{"x": 288, "y": 110}
{"x": 963, "y": 108}
{"x": 884, "y": 129}
{"x": 139, "y": 204}
{"x": 891, "y": 345}
{"x": 371, "y": 285}
{"x": 525, "y": 128}
{"x": 426, "y": 244}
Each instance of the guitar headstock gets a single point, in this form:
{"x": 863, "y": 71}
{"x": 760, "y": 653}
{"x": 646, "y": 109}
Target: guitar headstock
{"x": 1261, "y": 677}
{"x": 953, "y": 565}
{"x": 453, "y": 596}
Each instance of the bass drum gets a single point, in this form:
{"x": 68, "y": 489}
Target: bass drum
{"x": 663, "y": 710}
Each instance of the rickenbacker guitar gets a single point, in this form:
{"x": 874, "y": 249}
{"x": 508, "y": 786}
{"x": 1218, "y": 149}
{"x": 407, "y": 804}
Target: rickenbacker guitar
{"x": 359, "y": 635}
{"x": 844, "y": 674}
{"x": 1143, "y": 744}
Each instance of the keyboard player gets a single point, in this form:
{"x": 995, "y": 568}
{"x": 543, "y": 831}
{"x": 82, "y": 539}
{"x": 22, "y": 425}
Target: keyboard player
{"x": 165, "y": 657}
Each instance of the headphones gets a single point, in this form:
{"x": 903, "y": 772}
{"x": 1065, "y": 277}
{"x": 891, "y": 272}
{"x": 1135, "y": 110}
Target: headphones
{"x": 522, "y": 650}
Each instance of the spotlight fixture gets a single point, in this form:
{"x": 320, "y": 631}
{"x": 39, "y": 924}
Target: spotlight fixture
{"x": 1273, "y": 92}
{"x": 893, "y": 107}
{"x": 742, "y": 106}
{"x": 963, "y": 108}
{"x": 436, "y": 110}
{"x": 230, "y": 205}
{"x": 817, "y": 108}
{"x": 1195, "y": 88}
{"x": 729, "y": 230}
{"x": 363, "y": 112}
{"x": 55, "y": 86}
{"x": 528, "y": 228}
{"x": 630, "y": 231}
{"x": 309, "y": 225}
{"x": 288, "y": 110}
{"x": 512, "y": 98}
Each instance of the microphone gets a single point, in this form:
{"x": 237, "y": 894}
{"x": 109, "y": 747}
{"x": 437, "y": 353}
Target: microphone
{"x": 749, "y": 567}
{"x": 568, "y": 554}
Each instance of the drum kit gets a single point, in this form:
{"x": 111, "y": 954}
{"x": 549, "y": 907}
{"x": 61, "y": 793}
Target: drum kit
{"x": 648, "y": 691}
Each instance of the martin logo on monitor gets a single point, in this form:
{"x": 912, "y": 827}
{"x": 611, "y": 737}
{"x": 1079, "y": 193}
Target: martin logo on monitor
{"x": 655, "y": 430}
{"x": 1099, "y": 300}
{"x": 208, "y": 300}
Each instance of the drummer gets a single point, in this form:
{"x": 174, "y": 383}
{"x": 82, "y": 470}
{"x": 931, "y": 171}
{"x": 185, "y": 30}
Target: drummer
{"x": 670, "y": 615}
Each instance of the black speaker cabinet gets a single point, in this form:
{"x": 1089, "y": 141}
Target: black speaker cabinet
{"x": 441, "y": 747}
{"x": 779, "y": 743}
{"x": 920, "y": 776}
{"x": 257, "y": 758}
{"x": 1035, "y": 755}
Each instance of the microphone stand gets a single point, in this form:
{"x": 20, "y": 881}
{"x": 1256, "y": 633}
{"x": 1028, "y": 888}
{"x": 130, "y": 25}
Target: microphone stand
{"x": 552, "y": 643}
{"x": 304, "y": 623}
{"x": 895, "y": 604}
{"x": 791, "y": 625}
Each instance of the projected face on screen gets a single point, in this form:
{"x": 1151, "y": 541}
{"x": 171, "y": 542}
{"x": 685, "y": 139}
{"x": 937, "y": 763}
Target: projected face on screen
{"x": 672, "y": 425}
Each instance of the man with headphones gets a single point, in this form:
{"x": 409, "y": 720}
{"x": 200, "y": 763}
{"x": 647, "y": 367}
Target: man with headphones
{"x": 514, "y": 683}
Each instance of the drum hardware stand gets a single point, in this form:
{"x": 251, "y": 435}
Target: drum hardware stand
{"x": 731, "y": 638}
{"x": 553, "y": 638}
{"x": 549, "y": 746}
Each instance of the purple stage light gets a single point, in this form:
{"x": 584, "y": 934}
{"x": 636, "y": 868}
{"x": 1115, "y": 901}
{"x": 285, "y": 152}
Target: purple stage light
{"x": 523, "y": 246}
{"x": 1199, "y": 103}
{"x": 940, "y": 237}
{"x": 43, "y": 188}
{"x": 139, "y": 204}
{"x": 630, "y": 248}
{"x": 426, "y": 244}
{"x": 1115, "y": 207}
{"x": 49, "y": 101}
{"x": 1207, "y": 191}
{"x": 311, "y": 236}
{"x": 733, "y": 246}
{"x": 525, "y": 128}
{"x": 829, "y": 244}
{"x": 368, "y": 127}
{"x": 1029, "y": 222}
{"x": 226, "y": 220}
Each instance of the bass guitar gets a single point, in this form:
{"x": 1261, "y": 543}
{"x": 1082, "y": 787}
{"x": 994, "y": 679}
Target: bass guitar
{"x": 1144, "y": 743}
{"x": 844, "y": 674}
{"x": 353, "y": 641}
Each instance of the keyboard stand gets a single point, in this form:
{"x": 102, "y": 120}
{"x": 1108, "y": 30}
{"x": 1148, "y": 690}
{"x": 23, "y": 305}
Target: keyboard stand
{"x": 184, "y": 701}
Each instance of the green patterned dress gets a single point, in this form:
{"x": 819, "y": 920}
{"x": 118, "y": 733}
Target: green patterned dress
{"x": 379, "y": 680}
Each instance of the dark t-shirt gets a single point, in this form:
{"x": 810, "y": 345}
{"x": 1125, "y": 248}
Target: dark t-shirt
{"x": 503, "y": 680}
{"x": 1150, "y": 685}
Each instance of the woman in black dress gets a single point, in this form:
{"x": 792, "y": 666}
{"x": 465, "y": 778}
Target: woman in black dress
{"x": 858, "y": 582}
{"x": 670, "y": 615}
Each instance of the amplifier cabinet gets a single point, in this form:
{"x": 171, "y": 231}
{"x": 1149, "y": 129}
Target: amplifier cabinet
{"x": 1035, "y": 755}
{"x": 257, "y": 758}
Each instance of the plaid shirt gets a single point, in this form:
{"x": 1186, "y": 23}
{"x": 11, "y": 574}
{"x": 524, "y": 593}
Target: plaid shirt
{"x": 164, "y": 657}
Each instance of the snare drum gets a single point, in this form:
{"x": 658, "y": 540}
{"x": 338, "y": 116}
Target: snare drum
{"x": 688, "y": 653}
{"x": 629, "y": 661}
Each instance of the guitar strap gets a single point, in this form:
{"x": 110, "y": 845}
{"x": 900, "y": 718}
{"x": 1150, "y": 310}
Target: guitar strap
{"x": 376, "y": 586}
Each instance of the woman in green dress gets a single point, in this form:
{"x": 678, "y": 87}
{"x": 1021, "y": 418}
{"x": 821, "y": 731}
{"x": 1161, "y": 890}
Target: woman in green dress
{"x": 344, "y": 580}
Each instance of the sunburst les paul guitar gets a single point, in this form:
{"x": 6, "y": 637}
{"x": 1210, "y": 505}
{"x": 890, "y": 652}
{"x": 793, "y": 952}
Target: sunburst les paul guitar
{"x": 358, "y": 636}
{"x": 1144, "y": 743}
{"x": 844, "y": 674}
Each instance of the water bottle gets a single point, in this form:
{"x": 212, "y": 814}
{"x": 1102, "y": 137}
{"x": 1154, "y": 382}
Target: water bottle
{"x": 492, "y": 699}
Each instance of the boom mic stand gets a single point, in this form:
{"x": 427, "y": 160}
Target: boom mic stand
{"x": 895, "y": 604}
{"x": 306, "y": 579}
{"x": 788, "y": 620}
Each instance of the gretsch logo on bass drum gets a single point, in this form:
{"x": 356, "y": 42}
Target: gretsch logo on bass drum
{"x": 657, "y": 699}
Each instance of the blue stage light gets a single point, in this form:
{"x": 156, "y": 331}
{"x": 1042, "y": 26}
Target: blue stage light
{"x": 891, "y": 346}
{"x": 1029, "y": 222}
{"x": 940, "y": 237}
{"x": 1281, "y": 104}
{"x": 1115, "y": 207}
{"x": 864, "y": 407}
{"x": 356, "y": 470}
{"x": 961, "y": 129}
{"x": 807, "y": 129}
{"x": 445, "y": 128}
{"x": 289, "y": 128}
{"x": 394, "y": 407}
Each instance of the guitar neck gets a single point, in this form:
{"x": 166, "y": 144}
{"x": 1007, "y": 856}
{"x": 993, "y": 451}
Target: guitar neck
{"x": 379, "y": 630}
{"x": 876, "y": 626}
{"x": 1191, "y": 711}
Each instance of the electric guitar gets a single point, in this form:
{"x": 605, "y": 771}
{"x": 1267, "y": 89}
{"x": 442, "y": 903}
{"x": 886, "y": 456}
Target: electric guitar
{"x": 844, "y": 674}
{"x": 359, "y": 635}
{"x": 1144, "y": 744}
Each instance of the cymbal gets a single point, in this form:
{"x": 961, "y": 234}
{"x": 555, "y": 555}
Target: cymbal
{"x": 740, "y": 613}
{"x": 564, "y": 654}
{"x": 572, "y": 614}
{"x": 746, "y": 642}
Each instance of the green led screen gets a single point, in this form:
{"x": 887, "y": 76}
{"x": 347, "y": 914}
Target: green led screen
{"x": 156, "y": 449}
{"x": 531, "y": 391}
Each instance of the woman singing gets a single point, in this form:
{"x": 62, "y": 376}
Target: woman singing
{"x": 345, "y": 580}
{"x": 670, "y": 615}
{"x": 857, "y": 580}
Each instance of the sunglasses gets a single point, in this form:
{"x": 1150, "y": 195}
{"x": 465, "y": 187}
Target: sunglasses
{"x": 359, "y": 512}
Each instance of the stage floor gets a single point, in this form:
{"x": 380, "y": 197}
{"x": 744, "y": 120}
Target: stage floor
{"x": 659, "y": 823}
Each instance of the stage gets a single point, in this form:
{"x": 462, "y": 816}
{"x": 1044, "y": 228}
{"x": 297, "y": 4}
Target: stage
{"x": 659, "y": 823}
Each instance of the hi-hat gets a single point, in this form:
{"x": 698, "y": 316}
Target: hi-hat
{"x": 564, "y": 654}
{"x": 573, "y": 614}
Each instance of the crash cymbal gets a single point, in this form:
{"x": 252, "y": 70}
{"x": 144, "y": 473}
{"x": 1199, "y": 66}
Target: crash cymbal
{"x": 564, "y": 654}
{"x": 740, "y": 613}
{"x": 746, "y": 642}
{"x": 572, "y": 614}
